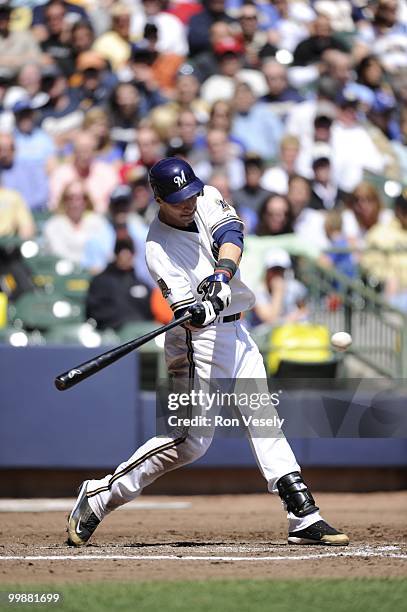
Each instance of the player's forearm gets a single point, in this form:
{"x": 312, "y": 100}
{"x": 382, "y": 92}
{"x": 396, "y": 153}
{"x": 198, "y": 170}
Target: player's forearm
{"x": 230, "y": 251}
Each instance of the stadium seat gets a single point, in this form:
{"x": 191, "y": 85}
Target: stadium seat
{"x": 304, "y": 370}
{"x": 40, "y": 310}
{"x": 81, "y": 334}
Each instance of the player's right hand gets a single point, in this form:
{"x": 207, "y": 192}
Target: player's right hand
{"x": 203, "y": 314}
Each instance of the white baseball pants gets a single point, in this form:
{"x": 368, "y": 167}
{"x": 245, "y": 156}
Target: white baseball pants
{"x": 221, "y": 350}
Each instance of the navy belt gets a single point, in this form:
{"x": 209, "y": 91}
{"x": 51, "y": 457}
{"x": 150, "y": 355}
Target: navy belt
{"x": 230, "y": 318}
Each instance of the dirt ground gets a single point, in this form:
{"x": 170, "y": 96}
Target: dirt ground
{"x": 240, "y": 536}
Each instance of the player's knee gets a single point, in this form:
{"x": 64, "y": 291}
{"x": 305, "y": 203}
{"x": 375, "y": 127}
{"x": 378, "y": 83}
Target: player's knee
{"x": 194, "y": 448}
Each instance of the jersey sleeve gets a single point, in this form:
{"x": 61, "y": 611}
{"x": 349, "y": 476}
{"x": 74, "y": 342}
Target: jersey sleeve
{"x": 172, "y": 281}
{"x": 219, "y": 214}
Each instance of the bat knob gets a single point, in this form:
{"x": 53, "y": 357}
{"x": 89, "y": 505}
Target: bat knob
{"x": 60, "y": 384}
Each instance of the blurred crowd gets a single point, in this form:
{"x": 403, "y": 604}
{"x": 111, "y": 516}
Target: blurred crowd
{"x": 286, "y": 106}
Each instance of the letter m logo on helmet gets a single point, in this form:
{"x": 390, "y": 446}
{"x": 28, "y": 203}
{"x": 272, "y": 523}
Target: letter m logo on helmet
{"x": 180, "y": 180}
{"x": 173, "y": 180}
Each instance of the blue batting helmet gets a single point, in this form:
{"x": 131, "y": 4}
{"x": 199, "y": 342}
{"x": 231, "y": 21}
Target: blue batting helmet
{"x": 173, "y": 180}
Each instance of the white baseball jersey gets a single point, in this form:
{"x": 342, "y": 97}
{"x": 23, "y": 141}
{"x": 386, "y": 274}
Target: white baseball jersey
{"x": 180, "y": 259}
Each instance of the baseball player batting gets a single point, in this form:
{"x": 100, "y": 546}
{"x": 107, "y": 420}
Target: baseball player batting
{"x": 198, "y": 237}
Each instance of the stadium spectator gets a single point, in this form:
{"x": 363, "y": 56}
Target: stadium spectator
{"x": 73, "y": 224}
{"x": 115, "y": 44}
{"x": 186, "y": 97}
{"x": 143, "y": 202}
{"x": 186, "y": 134}
{"x": 280, "y": 95}
{"x": 388, "y": 262}
{"x": 97, "y": 123}
{"x": 324, "y": 193}
{"x": 254, "y": 39}
{"x": 99, "y": 177}
{"x": 29, "y": 78}
{"x": 147, "y": 150}
{"x": 384, "y": 36}
{"x": 274, "y": 216}
{"x": 255, "y": 124}
{"x": 94, "y": 83}
{"x": 25, "y": 170}
{"x": 364, "y": 212}
{"x": 276, "y": 177}
{"x": 354, "y": 148}
{"x": 336, "y": 256}
{"x": 291, "y": 25}
{"x": 171, "y": 31}
{"x": 82, "y": 37}
{"x": 123, "y": 219}
{"x": 339, "y": 13}
{"x": 73, "y": 12}
{"x": 229, "y": 53}
{"x": 305, "y": 220}
{"x": 383, "y": 128}
{"x": 249, "y": 199}
{"x": 322, "y": 37}
{"x": 152, "y": 69}
{"x": 55, "y": 39}
{"x": 281, "y": 298}
{"x": 117, "y": 295}
{"x": 127, "y": 108}
{"x": 371, "y": 75}
{"x": 220, "y": 118}
{"x": 199, "y": 25}
{"x": 322, "y": 134}
{"x": 338, "y": 65}
{"x": 15, "y": 216}
{"x": 61, "y": 116}
{"x": 220, "y": 157}
{"x": 17, "y": 48}
{"x": 300, "y": 119}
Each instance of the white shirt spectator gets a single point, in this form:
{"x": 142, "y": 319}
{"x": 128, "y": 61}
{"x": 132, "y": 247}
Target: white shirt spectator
{"x": 354, "y": 152}
{"x": 171, "y": 32}
{"x": 310, "y": 225}
{"x": 222, "y": 87}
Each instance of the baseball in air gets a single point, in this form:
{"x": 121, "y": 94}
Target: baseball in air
{"x": 341, "y": 341}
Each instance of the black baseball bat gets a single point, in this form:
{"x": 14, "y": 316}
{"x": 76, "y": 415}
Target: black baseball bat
{"x": 77, "y": 374}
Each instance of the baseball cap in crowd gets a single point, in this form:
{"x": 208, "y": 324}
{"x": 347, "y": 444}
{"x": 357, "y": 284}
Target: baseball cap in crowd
{"x": 253, "y": 159}
{"x": 135, "y": 175}
{"x": 277, "y": 258}
{"x": 30, "y": 104}
{"x": 90, "y": 60}
{"x": 51, "y": 72}
{"x": 321, "y": 151}
{"x": 120, "y": 194}
{"x": 228, "y": 45}
{"x": 124, "y": 244}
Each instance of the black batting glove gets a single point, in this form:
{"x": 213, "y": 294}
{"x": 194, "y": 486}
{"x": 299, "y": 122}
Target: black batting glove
{"x": 202, "y": 314}
{"x": 215, "y": 289}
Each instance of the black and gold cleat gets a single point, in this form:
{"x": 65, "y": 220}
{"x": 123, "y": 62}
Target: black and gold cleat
{"x": 318, "y": 533}
{"x": 82, "y": 521}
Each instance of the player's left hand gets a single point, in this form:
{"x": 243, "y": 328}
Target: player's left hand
{"x": 215, "y": 289}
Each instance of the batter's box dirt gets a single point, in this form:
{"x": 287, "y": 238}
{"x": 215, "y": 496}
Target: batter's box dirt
{"x": 209, "y": 537}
